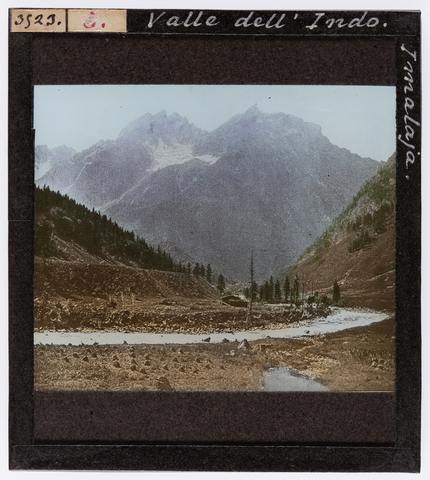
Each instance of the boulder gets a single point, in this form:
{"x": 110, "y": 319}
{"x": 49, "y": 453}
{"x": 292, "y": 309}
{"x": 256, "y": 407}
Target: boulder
{"x": 244, "y": 344}
{"x": 162, "y": 383}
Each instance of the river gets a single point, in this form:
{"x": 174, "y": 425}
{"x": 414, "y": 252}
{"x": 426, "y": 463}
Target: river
{"x": 339, "y": 319}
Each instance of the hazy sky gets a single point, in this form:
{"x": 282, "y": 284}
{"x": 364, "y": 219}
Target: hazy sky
{"x": 359, "y": 118}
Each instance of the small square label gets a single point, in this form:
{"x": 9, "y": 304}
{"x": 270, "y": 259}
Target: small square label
{"x": 97, "y": 21}
{"x": 38, "y": 20}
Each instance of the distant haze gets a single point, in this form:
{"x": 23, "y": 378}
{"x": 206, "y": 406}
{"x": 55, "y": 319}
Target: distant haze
{"x": 358, "y": 118}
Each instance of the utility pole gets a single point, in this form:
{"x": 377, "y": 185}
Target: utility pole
{"x": 252, "y": 287}
{"x": 303, "y": 289}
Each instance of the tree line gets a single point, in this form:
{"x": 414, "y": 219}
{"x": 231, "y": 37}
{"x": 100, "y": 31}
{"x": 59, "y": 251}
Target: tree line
{"x": 376, "y": 221}
{"x": 289, "y": 292}
{"x": 62, "y": 216}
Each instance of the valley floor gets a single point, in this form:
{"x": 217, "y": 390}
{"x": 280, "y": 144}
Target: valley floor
{"x": 358, "y": 359}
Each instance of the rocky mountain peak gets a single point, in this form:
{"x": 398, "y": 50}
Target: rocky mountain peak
{"x": 46, "y": 159}
{"x": 252, "y": 111}
{"x": 152, "y": 129}
{"x": 261, "y": 181}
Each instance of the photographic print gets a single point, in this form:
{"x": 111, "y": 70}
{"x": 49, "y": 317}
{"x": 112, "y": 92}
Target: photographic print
{"x": 214, "y": 238}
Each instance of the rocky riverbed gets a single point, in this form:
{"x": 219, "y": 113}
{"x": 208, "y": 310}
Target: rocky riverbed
{"x": 357, "y": 359}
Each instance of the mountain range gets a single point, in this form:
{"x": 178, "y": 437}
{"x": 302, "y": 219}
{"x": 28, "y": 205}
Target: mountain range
{"x": 267, "y": 184}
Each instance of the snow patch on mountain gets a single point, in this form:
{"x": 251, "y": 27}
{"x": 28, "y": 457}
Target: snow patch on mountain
{"x": 165, "y": 155}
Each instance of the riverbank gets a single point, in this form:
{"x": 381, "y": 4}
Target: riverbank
{"x": 305, "y": 325}
{"x": 183, "y": 316}
{"x": 357, "y": 359}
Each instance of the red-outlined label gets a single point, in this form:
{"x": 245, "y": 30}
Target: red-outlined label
{"x": 97, "y": 21}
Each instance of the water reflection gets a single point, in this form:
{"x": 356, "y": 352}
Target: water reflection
{"x": 286, "y": 379}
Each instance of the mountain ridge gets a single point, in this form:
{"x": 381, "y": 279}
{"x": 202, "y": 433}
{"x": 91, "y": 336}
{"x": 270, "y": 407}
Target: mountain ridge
{"x": 258, "y": 182}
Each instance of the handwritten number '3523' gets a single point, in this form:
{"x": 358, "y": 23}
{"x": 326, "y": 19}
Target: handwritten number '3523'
{"x": 37, "y": 20}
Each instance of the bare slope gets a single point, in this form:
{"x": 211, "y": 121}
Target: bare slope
{"x": 74, "y": 295}
{"x": 91, "y": 273}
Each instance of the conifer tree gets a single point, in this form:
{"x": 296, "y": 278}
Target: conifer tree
{"x": 286, "y": 288}
{"x": 266, "y": 295}
{"x": 295, "y": 292}
{"x": 221, "y": 284}
{"x": 261, "y": 293}
{"x": 271, "y": 290}
{"x": 209, "y": 273}
{"x": 277, "y": 291}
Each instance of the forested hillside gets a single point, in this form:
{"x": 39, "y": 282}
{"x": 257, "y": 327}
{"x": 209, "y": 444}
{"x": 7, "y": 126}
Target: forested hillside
{"x": 358, "y": 250}
{"x": 62, "y": 224}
